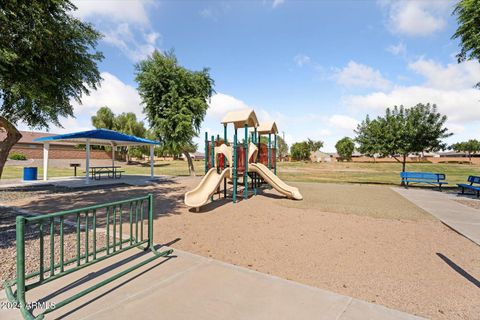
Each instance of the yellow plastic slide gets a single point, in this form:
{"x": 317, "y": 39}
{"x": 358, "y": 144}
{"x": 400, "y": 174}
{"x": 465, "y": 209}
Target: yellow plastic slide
{"x": 202, "y": 193}
{"x": 274, "y": 181}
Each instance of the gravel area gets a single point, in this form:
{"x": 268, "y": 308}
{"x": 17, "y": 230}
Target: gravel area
{"x": 32, "y": 244}
{"x": 363, "y": 241}
{"x": 471, "y": 203}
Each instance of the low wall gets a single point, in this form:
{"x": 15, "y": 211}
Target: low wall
{"x": 60, "y": 152}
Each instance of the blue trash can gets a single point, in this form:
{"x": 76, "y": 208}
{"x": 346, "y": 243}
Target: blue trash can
{"x": 30, "y": 173}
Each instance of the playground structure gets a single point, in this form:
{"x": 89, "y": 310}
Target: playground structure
{"x": 249, "y": 159}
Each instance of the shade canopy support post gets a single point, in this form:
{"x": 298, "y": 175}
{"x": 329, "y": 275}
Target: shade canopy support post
{"x": 113, "y": 155}
{"x": 46, "y": 147}
{"x": 87, "y": 162}
{"x": 152, "y": 160}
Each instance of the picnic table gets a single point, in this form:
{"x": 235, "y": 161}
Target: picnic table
{"x": 112, "y": 172}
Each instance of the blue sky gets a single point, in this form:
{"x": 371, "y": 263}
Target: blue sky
{"x": 317, "y": 68}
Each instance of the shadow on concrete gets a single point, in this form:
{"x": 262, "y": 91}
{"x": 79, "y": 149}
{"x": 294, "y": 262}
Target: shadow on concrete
{"x": 459, "y": 270}
{"x": 93, "y": 275}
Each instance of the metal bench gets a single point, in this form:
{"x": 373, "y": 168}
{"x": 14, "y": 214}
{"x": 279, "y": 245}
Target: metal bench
{"x": 474, "y": 185}
{"x": 423, "y": 177}
{"x": 135, "y": 213}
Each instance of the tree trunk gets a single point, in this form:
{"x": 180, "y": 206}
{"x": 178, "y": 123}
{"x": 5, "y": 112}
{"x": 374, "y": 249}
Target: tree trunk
{"x": 191, "y": 169}
{"x": 470, "y": 158}
{"x": 6, "y": 145}
{"x": 404, "y": 162}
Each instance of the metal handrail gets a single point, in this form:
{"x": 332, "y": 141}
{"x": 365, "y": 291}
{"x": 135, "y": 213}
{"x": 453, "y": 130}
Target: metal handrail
{"x": 114, "y": 212}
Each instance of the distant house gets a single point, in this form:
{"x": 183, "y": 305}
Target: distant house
{"x": 58, "y": 150}
{"x": 194, "y": 156}
{"x": 320, "y": 156}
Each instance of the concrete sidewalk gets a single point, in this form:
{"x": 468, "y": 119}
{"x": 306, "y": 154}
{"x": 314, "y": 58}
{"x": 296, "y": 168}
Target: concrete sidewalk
{"x": 461, "y": 218}
{"x": 188, "y": 286}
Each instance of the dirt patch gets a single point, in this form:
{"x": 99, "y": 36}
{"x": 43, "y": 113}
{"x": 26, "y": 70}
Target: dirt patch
{"x": 372, "y": 245}
{"x": 359, "y": 199}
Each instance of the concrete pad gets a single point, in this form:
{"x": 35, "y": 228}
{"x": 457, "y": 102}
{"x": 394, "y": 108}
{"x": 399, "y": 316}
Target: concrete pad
{"x": 463, "y": 219}
{"x": 79, "y": 182}
{"x": 187, "y": 286}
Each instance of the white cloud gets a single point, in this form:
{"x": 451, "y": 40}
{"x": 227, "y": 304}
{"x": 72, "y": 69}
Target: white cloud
{"x": 450, "y": 87}
{"x": 416, "y": 18}
{"x": 356, "y": 74}
{"x": 343, "y": 122}
{"x": 136, "y": 46}
{"x": 301, "y": 59}
{"x": 124, "y": 24}
{"x": 221, "y": 104}
{"x": 113, "y": 93}
{"x": 451, "y": 76}
{"x": 133, "y": 11}
{"x": 276, "y": 3}
{"x": 397, "y": 49}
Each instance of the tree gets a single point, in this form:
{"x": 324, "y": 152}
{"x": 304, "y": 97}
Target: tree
{"x": 313, "y": 145}
{"x": 470, "y": 147}
{"x": 175, "y": 100}
{"x": 300, "y": 151}
{"x": 282, "y": 147}
{"x": 47, "y": 59}
{"x": 345, "y": 147}
{"x": 126, "y": 123}
{"x": 403, "y": 131}
{"x": 303, "y": 150}
{"x": 105, "y": 118}
{"x": 468, "y": 31}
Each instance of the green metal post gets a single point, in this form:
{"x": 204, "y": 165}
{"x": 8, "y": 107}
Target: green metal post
{"x": 141, "y": 219}
{"x": 61, "y": 244}
{"x": 41, "y": 249}
{"x": 234, "y": 169}
{"x": 269, "y": 152}
{"x": 94, "y": 244}
{"x": 78, "y": 239}
{"x": 20, "y": 220}
{"x": 206, "y": 152}
{"x": 212, "y": 152}
{"x": 225, "y": 160}
{"x": 213, "y": 157}
{"x": 150, "y": 221}
{"x": 245, "y": 174}
{"x": 255, "y": 160}
{"x": 86, "y": 236}
{"x": 275, "y": 154}
{"x": 120, "y": 226}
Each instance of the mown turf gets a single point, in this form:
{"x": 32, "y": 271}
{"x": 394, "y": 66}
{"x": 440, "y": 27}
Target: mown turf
{"x": 373, "y": 173}
{"x": 338, "y": 172}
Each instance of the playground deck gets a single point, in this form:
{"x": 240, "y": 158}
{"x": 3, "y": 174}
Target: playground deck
{"x": 189, "y": 286}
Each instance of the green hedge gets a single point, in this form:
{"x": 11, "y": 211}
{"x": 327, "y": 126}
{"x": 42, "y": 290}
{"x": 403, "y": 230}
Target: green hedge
{"x": 17, "y": 156}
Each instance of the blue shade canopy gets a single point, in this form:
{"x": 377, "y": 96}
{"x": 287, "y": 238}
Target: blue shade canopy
{"x": 99, "y": 137}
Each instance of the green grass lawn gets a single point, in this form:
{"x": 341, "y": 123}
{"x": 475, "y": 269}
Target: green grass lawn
{"x": 171, "y": 168}
{"x": 340, "y": 172}
{"x": 386, "y": 173}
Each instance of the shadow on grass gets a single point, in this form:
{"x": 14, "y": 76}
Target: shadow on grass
{"x": 459, "y": 270}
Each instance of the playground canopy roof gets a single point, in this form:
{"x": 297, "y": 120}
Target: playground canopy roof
{"x": 241, "y": 117}
{"x": 268, "y": 127}
{"x": 99, "y": 137}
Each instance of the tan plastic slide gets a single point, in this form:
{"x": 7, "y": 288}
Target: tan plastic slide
{"x": 274, "y": 181}
{"x": 202, "y": 193}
